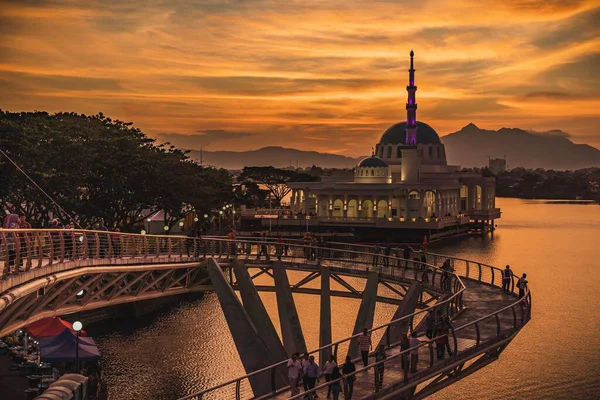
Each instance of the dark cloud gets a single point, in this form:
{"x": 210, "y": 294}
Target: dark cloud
{"x": 576, "y": 29}
{"x": 20, "y": 81}
{"x": 464, "y": 108}
{"x": 553, "y": 133}
{"x": 253, "y": 85}
{"x": 203, "y": 139}
{"x": 543, "y": 5}
{"x": 547, "y": 95}
{"x": 580, "y": 76}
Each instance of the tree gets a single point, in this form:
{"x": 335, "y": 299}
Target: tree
{"x": 98, "y": 169}
{"x": 274, "y": 179}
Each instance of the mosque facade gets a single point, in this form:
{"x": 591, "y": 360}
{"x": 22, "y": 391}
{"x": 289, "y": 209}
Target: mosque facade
{"x": 405, "y": 184}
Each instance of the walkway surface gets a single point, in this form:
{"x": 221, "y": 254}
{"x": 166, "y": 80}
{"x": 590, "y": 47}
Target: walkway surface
{"x": 479, "y": 299}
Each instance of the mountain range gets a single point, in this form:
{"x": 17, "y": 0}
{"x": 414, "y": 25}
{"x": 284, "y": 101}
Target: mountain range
{"x": 468, "y": 147}
{"x": 471, "y": 147}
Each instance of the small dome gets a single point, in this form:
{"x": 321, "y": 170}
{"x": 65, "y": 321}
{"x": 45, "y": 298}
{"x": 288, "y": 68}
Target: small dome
{"x": 372, "y": 162}
{"x": 396, "y": 134}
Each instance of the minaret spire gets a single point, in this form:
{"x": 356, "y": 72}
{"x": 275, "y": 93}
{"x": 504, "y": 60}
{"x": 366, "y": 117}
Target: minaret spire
{"x": 411, "y": 106}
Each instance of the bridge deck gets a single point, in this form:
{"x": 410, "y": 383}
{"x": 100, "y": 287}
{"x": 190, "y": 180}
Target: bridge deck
{"x": 479, "y": 299}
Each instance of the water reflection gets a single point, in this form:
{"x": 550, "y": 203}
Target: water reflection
{"x": 189, "y": 347}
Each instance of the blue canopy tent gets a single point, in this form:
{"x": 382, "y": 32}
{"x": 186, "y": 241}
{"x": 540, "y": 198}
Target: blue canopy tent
{"x": 63, "y": 348}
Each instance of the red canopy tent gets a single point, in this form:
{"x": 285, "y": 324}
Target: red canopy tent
{"x": 52, "y": 326}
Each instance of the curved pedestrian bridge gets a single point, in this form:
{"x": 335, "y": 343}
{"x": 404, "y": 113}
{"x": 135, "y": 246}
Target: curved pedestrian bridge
{"x": 55, "y": 272}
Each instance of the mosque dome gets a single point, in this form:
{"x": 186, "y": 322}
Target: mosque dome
{"x": 396, "y": 134}
{"x": 372, "y": 162}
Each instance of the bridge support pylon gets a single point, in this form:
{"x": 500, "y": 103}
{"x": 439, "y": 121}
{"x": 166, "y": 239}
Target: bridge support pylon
{"x": 257, "y": 312}
{"x": 291, "y": 330}
{"x": 366, "y": 312}
{"x": 325, "y": 319}
{"x": 394, "y": 333}
{"x": 253, "y": 352}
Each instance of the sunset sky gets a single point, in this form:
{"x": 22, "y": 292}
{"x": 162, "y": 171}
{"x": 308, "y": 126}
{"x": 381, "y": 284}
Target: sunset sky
{"x": 315, "y": 75}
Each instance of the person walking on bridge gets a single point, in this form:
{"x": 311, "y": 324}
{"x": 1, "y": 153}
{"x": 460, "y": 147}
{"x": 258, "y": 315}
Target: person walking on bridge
{"x": 376, "y": 252}
{"x": 380, "y": 357}
{"x": 387, "y": 252}
{"x": 349, "y": 368}
{"x": 365, "y": 345}
{"x": 414, "y": 342}
{"x": 506, "y": 278}
{"x": 294, "y": 369}
{"x": 406, "y": 256}
{"x": 327, "y": 371}
{"x": 522, "y": 284}
{"x": 312, "y": 375}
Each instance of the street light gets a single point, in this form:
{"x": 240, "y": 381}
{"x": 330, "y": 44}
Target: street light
{"x": 77, "y": 326}
{"x": 220, "y": 217}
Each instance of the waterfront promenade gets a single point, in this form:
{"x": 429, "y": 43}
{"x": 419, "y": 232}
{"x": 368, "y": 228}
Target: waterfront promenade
{"x": 484, "y": 319}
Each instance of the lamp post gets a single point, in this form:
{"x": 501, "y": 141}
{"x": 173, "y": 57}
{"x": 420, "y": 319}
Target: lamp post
{"x": 77, "y": 326}
{"x": 220, "y": 217}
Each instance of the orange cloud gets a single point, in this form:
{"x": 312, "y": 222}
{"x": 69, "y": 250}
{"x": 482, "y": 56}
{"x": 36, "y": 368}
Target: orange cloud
{"x": 313, "y": 75}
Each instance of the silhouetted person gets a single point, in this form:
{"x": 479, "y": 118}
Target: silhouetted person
{"x": 347, "y": 369}
{"x": 506, "y": 278}
{"x": 522, "y": 284}
{"x": 364, "y": 345}
{"x": 379, "y": 368}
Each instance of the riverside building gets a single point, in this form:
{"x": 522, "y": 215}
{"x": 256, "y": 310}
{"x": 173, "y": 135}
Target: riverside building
{"x": 405, "y": 189}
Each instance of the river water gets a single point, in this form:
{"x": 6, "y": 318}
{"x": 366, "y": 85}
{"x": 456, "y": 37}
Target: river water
{"x": 556, "y": 356}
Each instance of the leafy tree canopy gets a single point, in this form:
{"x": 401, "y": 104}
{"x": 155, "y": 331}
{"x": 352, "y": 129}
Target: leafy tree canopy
{"x": 274, "y": 180}
{"x": 99, "y": 168}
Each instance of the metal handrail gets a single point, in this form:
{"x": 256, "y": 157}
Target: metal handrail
{"x": 524, "y": 302}
{"x": 96, "y": 243}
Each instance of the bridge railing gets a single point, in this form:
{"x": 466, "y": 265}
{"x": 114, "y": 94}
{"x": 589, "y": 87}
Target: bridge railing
{"x": 240, "y": 388}
{"x": 22, "y": 250}
{"x": 486, "y": 334}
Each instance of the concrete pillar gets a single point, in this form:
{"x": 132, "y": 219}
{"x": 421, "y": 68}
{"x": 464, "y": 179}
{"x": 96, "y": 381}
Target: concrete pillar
{"x": 257, "y": 312}
{"x": 293, "y": 201}
{"x": 366, "y": 312}
{"x": 484, "y": 197}
{"x": 394, "y": 333}
{"x": 325, "y": 320}
{"x": 291, "y": 330}
{"x": 250, "y": 346}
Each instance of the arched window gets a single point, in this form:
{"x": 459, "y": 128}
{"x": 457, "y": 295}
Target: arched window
{"x": 372, "y": 172}
{"x": 389, "y": 152}
{"x": 430, "y": 152}
{"x": 439, "y": 152}
{"x": 413, "y": 194}
{"x": 398, "y": 152}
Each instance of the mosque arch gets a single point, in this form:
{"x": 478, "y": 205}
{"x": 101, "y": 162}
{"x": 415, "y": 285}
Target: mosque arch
{"x": 367, "y": 209}
{"x": 414, "y": 194}
{"x": 382, "y": 209}
{"x": 352, "y": 209}
{"x": 464, "y": 198}
{"x": 429, "y": 203}
{"x": 323, "y": 205}
{"x": 338, "y": 208}
{"x": 478, "y": 194}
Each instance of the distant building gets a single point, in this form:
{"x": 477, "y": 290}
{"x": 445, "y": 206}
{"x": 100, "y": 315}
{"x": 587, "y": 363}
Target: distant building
{"x": 405, "y": 187}
{"x": 497, "y": 165}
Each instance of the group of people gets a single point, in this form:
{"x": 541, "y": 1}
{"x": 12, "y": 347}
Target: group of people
{"x": 303, "y": 370}
{"x": 21, "y": 245}
{"x": 507, "y": 277}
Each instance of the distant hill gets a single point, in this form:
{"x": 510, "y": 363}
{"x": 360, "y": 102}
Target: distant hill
{"x": 471, "y": 146}
{"x": 273, "y": 156}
